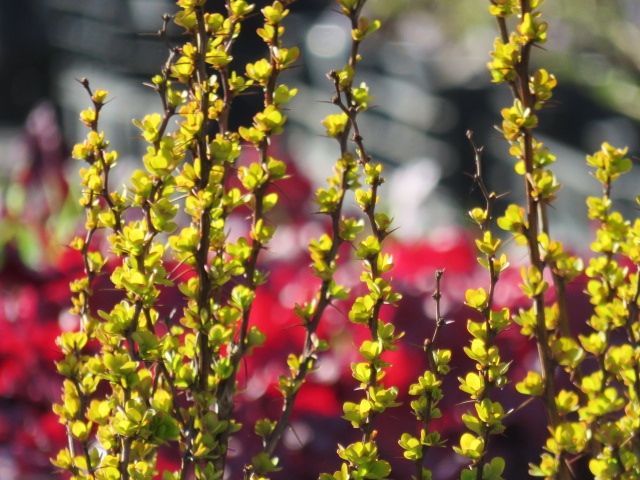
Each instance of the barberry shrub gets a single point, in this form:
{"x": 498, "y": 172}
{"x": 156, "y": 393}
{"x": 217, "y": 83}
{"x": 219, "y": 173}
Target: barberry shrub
{"x": 142, "y": 376}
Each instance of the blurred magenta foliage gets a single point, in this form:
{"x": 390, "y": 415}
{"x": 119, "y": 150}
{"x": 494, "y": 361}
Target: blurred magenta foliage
{"x": 34, "y": 299}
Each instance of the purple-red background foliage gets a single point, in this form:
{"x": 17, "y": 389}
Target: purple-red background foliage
{"x": 33, "y": 310}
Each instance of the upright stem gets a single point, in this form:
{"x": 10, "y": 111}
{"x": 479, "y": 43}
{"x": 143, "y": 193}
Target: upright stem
{"x": 534, "y": 210}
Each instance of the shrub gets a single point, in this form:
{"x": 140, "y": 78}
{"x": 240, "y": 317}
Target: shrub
{"x": 159, "y": 377}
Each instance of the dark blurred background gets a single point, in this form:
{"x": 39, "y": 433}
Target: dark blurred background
{"x": 426, "y": 68}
